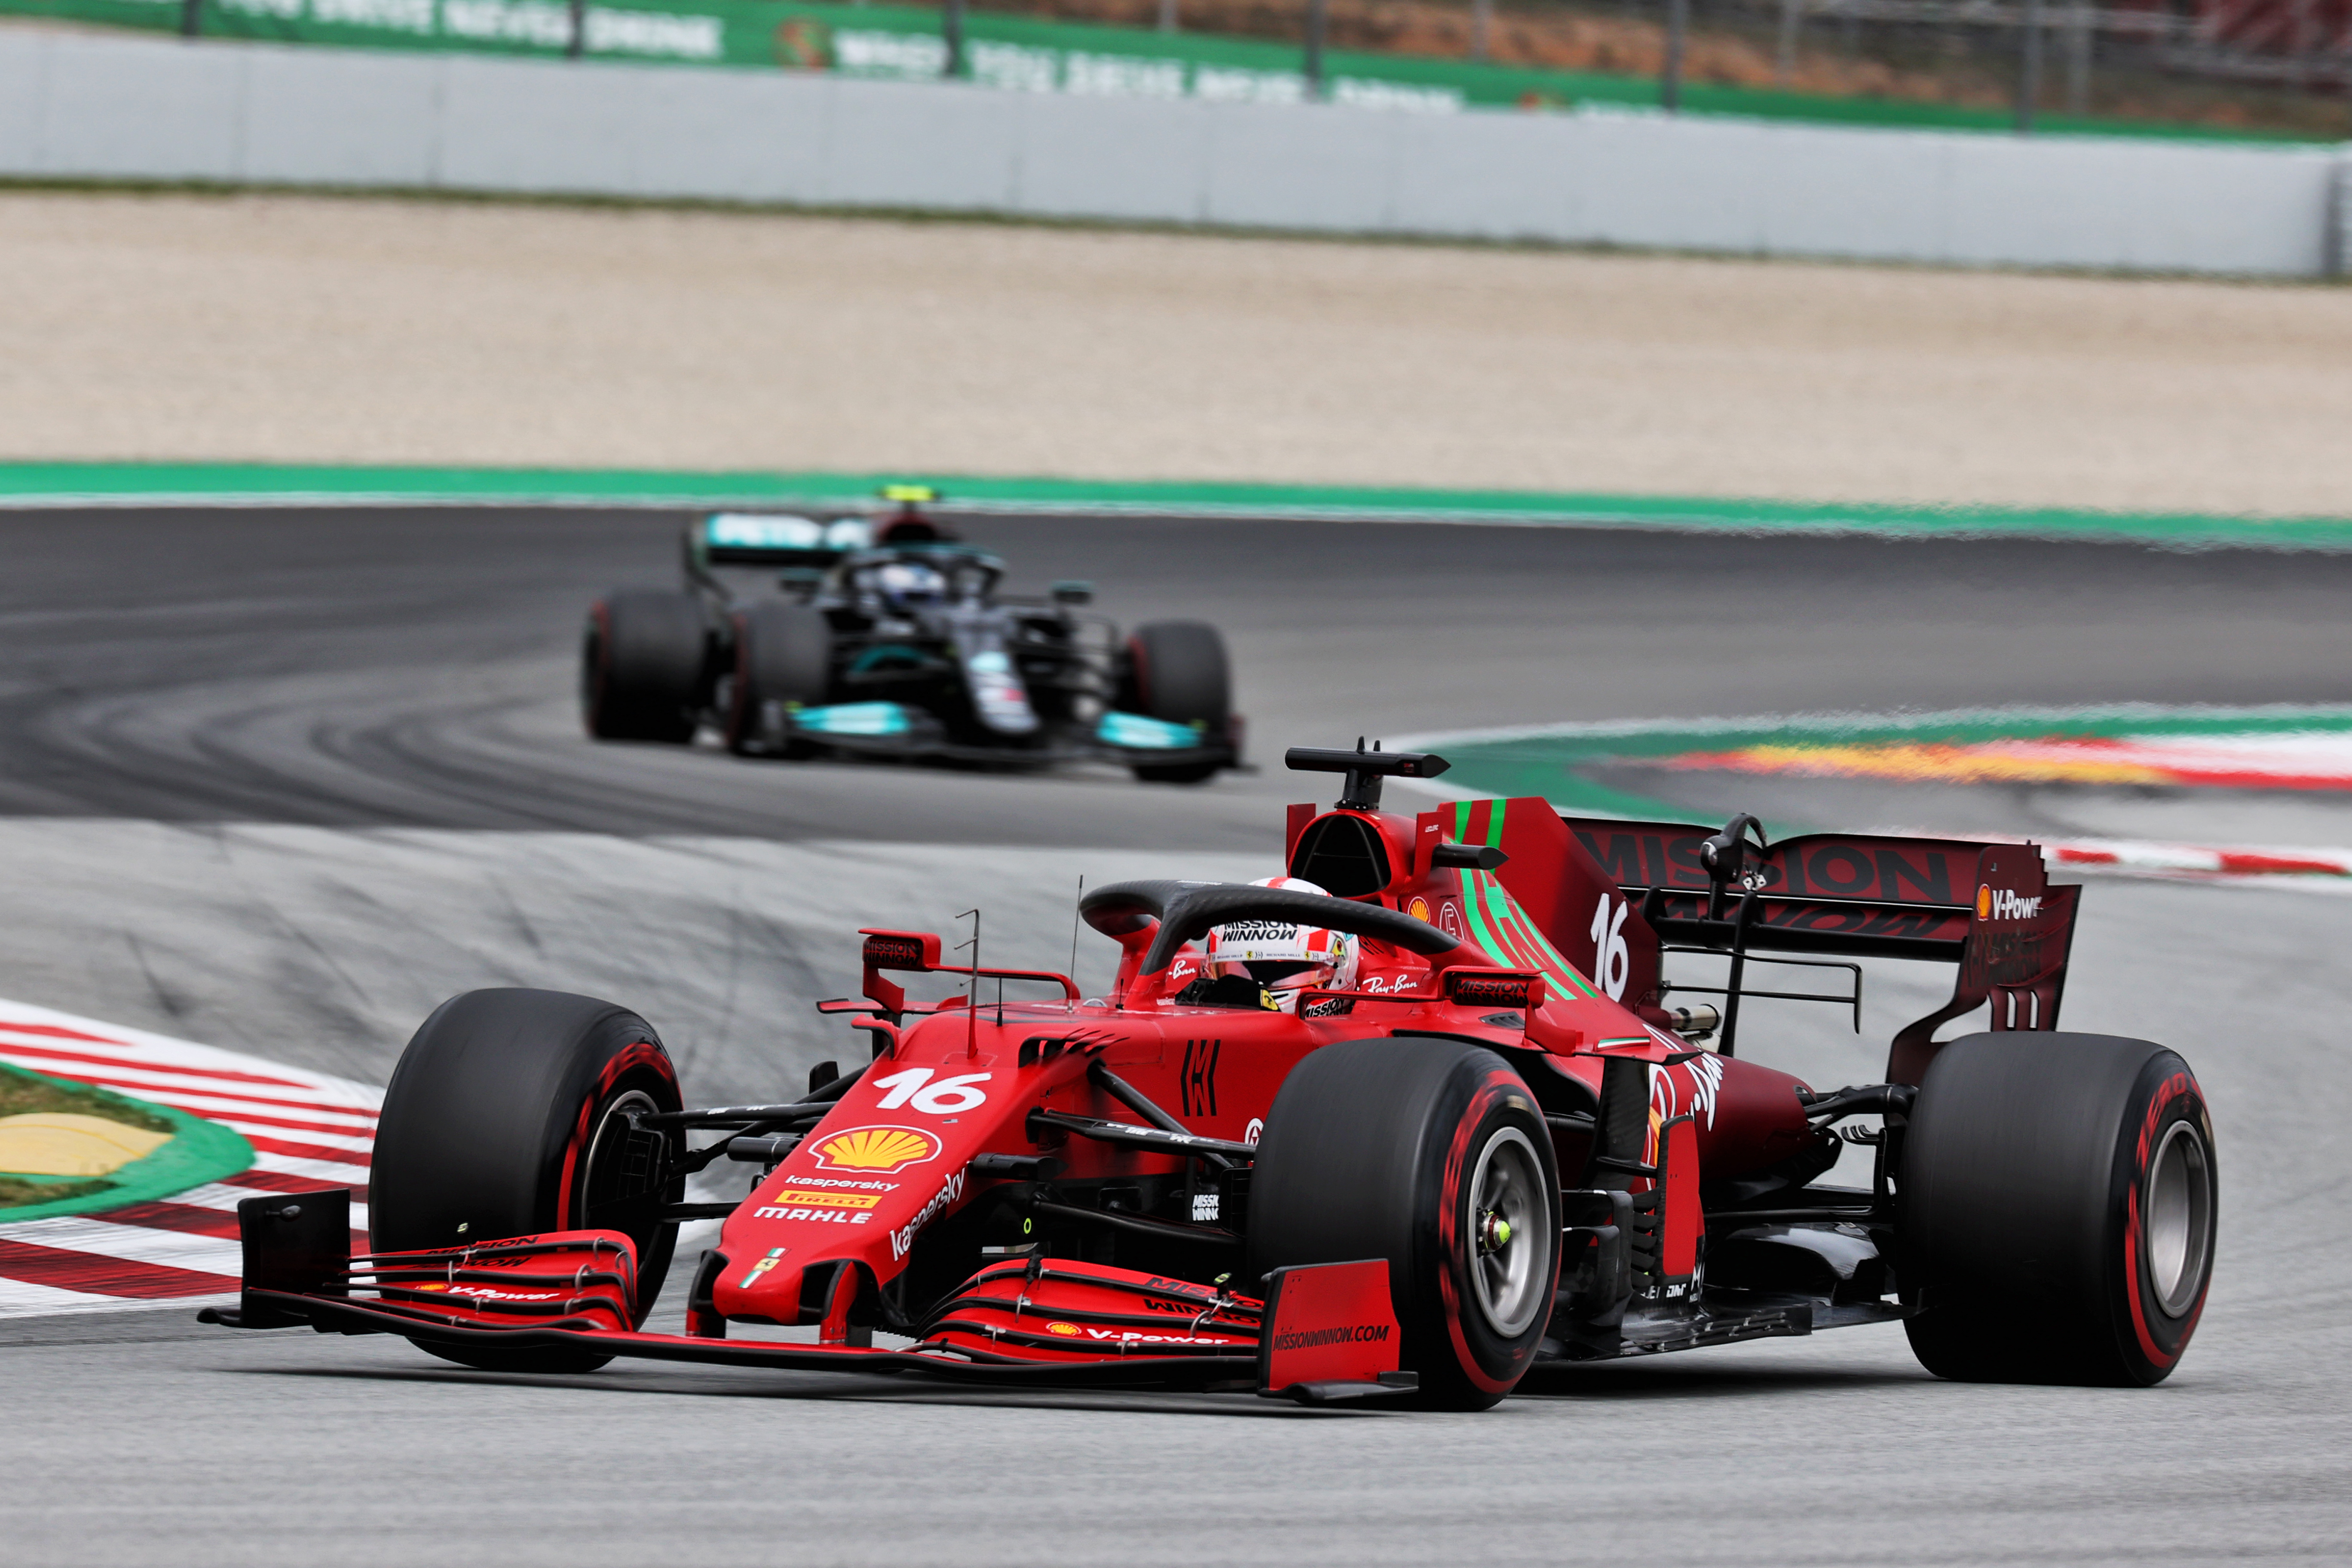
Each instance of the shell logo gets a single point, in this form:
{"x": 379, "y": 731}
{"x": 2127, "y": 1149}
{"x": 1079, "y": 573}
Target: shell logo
{"x": 1418, "y": 909}
{"x": 1067, "y": 1330}
{"x": 1984, "y": 900}
{"x": 877, "y": 1149}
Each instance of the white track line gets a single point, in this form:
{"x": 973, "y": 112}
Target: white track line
{"x": 326, "y": 1172}
{"x": 131, "y": 1244}
{"x": 2194, "y": 862}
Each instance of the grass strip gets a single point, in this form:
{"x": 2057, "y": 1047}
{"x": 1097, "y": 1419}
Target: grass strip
{"x": 199, "y": 1150}
{"x": 76, "y": 485}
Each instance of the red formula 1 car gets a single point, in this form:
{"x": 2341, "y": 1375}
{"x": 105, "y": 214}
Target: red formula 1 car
{"x": 1408, "y": 1136}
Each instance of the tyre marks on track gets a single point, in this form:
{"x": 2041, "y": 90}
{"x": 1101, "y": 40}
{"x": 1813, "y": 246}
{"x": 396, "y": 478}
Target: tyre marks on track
{"x": 308, "y": 1131}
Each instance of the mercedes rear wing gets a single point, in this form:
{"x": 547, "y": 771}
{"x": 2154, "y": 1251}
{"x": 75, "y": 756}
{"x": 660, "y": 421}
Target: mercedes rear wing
{"x": 775, "y": 540}
{"x": 1988, "y": 908}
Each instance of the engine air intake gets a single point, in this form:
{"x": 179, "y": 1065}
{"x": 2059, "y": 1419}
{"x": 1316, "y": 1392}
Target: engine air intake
{"x": 1343, "y": 855}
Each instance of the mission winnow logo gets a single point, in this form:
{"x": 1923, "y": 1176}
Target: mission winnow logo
{"x": 1309, "y": 1339}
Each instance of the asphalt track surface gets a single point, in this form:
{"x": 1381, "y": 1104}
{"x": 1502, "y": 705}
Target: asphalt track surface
{"x": 416, "y": 668}
{"x": 280, "y": 781}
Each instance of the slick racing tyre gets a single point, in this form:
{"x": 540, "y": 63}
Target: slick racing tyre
{"x": 1177, "y": 670}
{"x": 506, "y": 1117}
{"x": 2059, "y": 1210}
{"x": 784, "y": 658}
{"x": 1433, "y": 1155}
{"x": 642, "y": 666}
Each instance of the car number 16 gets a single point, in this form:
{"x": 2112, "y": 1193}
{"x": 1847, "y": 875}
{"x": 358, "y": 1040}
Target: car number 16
{"x": 914, "y": 1091}
{"x": 1612, "y": 961}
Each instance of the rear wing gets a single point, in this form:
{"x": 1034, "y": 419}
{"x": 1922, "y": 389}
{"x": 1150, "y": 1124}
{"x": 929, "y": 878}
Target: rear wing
{"x": 1988, "y": 908}
{"x": 772, "y": 540}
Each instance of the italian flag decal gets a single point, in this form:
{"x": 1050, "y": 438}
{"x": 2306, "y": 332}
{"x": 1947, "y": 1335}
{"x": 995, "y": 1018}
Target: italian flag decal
{"x": 1498, "y": 924}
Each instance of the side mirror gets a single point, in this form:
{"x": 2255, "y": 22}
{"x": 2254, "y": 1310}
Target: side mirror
{"x": 1074, "y": 592}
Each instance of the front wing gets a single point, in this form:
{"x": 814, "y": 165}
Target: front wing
{"x": 1325, "y": 1335}
{"x": 904, "y": 731}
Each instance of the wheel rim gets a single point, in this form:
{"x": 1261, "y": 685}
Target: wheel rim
{"x": 2179, "y": 1226}
{"x": 610, "y": 1176}
{"x": 1507, "y": 1241}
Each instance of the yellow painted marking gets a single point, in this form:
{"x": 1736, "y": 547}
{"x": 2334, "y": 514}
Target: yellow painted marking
{"x": 1987, "y": 764}
{"x": 59, "y": 1144}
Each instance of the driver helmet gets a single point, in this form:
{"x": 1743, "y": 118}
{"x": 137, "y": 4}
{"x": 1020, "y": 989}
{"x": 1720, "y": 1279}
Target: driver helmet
{"x": 906, "y": 584}
{"x": 1284, "y": 959}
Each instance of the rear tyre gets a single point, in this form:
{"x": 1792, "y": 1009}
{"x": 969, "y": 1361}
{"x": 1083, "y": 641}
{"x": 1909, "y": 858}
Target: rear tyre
{"x": 1177, "y": 670}
{"x": 641, "y": 664}
{"x": 2060, "y": 1207}
{"x": 783, "y": 656}
{"x": 506, "y": 1117}
{"x": 1433, "y": 1155}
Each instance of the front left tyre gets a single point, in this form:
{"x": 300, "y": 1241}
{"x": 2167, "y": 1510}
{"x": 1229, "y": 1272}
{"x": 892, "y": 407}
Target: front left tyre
{"x": 1433, "y": 1155}
{"x": 783, "y": 660}
{"x": 508, "y": 1115}
{"x": 1177, "y": 671}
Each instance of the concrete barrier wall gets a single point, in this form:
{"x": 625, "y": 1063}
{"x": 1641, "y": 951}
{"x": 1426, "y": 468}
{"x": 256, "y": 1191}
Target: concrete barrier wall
{"x": 79, "y": 106}
{"x": 2338, "y": 242}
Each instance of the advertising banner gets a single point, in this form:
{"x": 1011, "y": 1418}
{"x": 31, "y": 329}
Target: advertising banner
{"x": 1015, "y": 53}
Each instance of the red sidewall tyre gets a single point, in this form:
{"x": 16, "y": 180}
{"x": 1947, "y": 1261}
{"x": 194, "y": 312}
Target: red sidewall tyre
{"x": 2060, "y": 1210}
{"x": 501, "y": 1120}
{"x": 2155, "y": 1332}
{"x": 1178, "y": 671}
{"x": 1376, "y": 1149}
{"x": 783, "y": 653}
{"x": 643, "y": 666}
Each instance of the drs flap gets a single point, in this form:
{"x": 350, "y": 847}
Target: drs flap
{"x": 1855, "y": 893}
{"x": 1988, "y": 908}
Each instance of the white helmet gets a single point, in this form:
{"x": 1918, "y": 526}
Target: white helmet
{"x": 1285, "y": 959}
{"x": 903, "y": 584}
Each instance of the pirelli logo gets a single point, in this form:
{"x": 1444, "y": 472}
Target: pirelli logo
{"x": 827, "y": 1200}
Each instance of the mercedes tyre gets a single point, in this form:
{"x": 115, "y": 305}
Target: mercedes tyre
{"x": 784, "y": 660}
{"x": 1177, "y": 671}
{"x": 643, "y": 665}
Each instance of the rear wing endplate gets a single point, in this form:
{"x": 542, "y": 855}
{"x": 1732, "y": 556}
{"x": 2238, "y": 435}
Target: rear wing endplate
{"x": 1988, "y": 908}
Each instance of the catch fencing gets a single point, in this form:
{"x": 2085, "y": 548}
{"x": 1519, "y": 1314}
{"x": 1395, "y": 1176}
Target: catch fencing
{"x": 88, "y": 107}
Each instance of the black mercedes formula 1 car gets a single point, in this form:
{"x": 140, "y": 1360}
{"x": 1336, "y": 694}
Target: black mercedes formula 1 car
{"x": 794, "y": 637}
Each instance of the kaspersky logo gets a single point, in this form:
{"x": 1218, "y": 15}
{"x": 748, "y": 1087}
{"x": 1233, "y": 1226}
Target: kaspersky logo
{"x": 2000, "y": 904}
